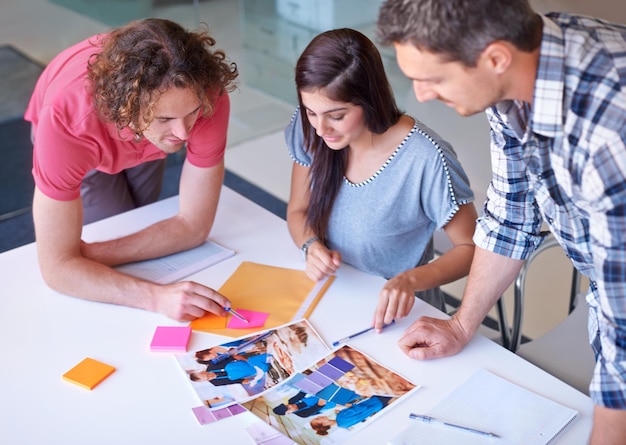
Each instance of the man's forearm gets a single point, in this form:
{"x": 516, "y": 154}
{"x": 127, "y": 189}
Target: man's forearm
{"x": 490, "y": 275}
{"x": 198, "y": 199}
{"x": 160, "y": 239}
{"x": 609, "y": 426}
{"x": 87, "y": 279}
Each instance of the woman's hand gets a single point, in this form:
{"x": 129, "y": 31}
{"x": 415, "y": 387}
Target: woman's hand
{"x": 321, "y": 261}
{"x": 395, "y": 300}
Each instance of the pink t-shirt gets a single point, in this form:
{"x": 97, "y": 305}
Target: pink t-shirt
{"x": 70, "y": 139}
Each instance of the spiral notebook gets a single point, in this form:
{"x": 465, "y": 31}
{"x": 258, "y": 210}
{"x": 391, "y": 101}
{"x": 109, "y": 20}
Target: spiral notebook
{"x": 490, "y": 403}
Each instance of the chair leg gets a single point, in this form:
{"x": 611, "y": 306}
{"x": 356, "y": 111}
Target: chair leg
{"x": 505, "y": 330}
{"x": 574, "y": 290}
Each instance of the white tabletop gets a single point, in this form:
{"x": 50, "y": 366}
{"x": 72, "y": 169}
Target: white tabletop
{"x": 148, "y": 400}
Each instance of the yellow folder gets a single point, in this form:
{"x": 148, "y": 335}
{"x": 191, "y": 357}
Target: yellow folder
{"x": 286, "y": 294}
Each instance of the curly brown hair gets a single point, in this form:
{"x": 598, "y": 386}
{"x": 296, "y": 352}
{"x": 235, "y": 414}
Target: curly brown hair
{"x": 141, "y": 60}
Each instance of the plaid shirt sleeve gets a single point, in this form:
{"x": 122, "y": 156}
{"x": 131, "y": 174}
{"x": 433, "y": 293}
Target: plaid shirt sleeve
{"x": 511, "y": 223}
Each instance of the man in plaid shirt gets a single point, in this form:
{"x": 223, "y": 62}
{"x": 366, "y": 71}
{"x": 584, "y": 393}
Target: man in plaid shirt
{"x": 554, "y": 90}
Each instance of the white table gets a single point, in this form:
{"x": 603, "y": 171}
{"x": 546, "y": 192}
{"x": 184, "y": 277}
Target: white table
{"x": 148, "y": 400}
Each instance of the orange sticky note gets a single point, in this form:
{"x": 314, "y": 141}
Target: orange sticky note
{"x": 89, "y": 373}
{"x": 207, "y": 322}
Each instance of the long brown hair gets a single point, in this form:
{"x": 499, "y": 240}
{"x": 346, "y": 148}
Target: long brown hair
{"x": 348, "y": 66}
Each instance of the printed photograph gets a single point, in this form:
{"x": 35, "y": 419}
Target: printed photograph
{"x": 240, "y": 369}
{"x": 328, "y": 402}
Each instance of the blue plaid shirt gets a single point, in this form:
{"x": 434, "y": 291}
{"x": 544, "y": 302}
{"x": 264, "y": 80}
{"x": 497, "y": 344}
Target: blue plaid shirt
{"x": 562, "y": 162}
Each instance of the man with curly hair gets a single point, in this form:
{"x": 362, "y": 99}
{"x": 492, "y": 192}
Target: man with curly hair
{"x": 105, "y": 113}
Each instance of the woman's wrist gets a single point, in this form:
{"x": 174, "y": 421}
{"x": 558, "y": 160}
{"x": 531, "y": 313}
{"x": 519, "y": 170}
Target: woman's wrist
{"x": 304, "y": 249}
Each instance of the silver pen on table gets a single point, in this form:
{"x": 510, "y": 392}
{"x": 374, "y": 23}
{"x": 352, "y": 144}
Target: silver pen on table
{"x": 429, "y": 419}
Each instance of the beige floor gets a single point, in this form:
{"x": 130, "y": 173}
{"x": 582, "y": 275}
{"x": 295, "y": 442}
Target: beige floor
{"x": 256, "y": 151}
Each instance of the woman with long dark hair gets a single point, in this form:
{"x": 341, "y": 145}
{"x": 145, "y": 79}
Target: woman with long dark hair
{"x": 370, "y": 185}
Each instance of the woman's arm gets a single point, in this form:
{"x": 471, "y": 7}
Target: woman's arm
{"x": 320, "y": 261}
{"x": 397, "y": 297}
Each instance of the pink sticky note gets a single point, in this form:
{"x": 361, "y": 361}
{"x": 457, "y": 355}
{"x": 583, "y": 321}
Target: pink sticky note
{"x": 170, "y": 339}
{"x": 255, "y": 319}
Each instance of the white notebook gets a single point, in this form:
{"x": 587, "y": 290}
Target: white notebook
{"x": 173, "y": 267}
{"x": 492, "y": 404}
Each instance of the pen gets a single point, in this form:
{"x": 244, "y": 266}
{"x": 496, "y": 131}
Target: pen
{"x": 236, "y": 314}
{"x": 350, "y": 337}
{"x": 429, "y": 419}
